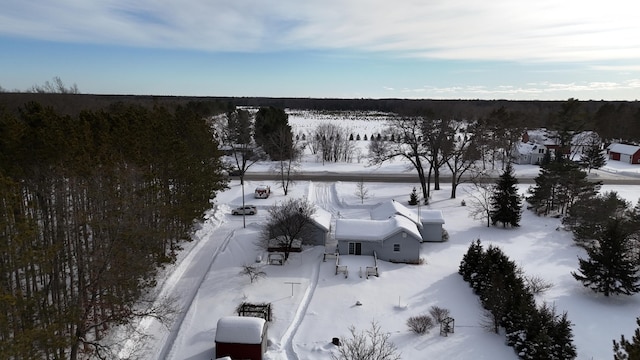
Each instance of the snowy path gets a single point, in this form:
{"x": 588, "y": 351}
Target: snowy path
{"x": 199, "y": 268}
{"x": 182, "y": 285}
{"x": 325, "y": 196}
{"x": 289, "y": 335}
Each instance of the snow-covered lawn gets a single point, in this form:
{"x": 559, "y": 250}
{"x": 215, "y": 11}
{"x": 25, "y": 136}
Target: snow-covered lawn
{"x": 312, "y": 305}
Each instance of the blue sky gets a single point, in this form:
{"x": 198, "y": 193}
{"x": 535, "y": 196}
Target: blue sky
{"x": 436, "y": 49}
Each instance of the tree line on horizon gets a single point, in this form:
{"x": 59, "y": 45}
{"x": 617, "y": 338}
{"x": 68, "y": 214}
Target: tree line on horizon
{"x": 611, "y": 119}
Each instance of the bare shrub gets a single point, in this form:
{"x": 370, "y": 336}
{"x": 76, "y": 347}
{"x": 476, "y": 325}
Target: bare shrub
{"x": 439, "y": 314}
{"x": 252, "y": 272}
{"x": 537, "y": 284}
{"x": 372, "y": 344}
{"x": 420, "y": 324}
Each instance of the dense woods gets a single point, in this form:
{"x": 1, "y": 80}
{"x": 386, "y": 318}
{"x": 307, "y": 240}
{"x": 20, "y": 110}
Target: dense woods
{"x": 611, "y": 119}
{"x": 91, "y": 204}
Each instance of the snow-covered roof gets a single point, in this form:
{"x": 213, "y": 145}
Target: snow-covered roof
{"x": 540, "y": 136}
{"x": 432, "y": 217}
{"x": 375, "y": 230}
{"x": 240, "y": 330}
{"x": 322, "y": 218}
{"x": 528, "y": 148}
{"x": 389, "y": 208}
{"x": 624, "y": 148}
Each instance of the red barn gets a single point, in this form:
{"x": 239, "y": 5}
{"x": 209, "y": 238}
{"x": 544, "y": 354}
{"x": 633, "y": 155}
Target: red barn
{"x": 625, "y": 153}
{"x": 240, "y": 337}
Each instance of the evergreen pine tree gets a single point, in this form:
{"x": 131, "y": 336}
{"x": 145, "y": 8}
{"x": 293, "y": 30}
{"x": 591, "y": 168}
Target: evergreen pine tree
{"x": 413, "y": 197}
{"x": 628, "y": 350}
{"x": 559, "y": 184}
{"x": 471, "y": 261}
{"x": 506, "y": 205}
{"x": 593, "y": 158}
{"x": 611, "y": 267}
{"x": 562, "y": 339}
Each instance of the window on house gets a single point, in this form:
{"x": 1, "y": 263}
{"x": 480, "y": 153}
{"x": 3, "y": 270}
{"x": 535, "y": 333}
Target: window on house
{"x": 396, "y": 247}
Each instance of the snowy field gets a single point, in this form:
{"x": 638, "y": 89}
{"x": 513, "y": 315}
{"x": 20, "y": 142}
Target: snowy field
{"x": 207, "y": 284}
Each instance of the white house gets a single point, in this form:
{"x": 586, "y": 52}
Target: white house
{"x": 536, "y": 142}
{"x": 428, "y": 222}
{"x": 394, "y": 239}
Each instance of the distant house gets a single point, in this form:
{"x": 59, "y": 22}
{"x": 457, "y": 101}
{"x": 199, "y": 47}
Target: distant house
{"x": 395, "y": 239}
{"x": 240, "y": 337}
{"x": 536, "y": 142}
{"x": 528, "y": 153}
{"x": 428, "y": 222}
{"x": 320, "y": 228}
{"x": 625, "y": 153}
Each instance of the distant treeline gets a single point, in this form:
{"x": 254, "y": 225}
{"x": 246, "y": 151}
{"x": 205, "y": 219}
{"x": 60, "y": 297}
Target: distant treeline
{"x": 611, "y": 119}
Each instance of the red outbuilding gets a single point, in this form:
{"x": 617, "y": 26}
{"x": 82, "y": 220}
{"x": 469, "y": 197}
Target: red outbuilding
{"x": 240, "y": 337}
{"x": 625, "y": 153}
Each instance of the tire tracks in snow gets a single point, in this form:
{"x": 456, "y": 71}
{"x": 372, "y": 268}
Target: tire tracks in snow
{"x": 325, "y": 196}
{"x": 194, "y": 288}
{"x": 287, "y": 338}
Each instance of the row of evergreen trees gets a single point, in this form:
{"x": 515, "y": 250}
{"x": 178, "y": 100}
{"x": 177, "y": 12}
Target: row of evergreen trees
{"x": 90, "y": 206}
{"x": 534, "y": 332}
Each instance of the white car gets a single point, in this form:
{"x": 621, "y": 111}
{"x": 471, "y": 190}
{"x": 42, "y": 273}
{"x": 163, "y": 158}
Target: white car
{"x": 246, "y": 210}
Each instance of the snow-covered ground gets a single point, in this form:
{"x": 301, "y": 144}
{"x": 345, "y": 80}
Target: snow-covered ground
{"x": 320, "y": 305}
{"x": 312, "y": 305}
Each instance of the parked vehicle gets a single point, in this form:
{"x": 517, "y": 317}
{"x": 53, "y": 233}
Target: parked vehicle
{"x": 246, "y": 210}
{"x": 262, "y": 192}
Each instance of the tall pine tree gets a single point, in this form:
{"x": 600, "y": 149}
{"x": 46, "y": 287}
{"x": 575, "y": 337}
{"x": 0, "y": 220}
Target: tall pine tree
{"x": 611, "y": 267}
{"x": 593, "y": 158}
{"x": 506, "y": 205}
{"x": 628, "y": 350}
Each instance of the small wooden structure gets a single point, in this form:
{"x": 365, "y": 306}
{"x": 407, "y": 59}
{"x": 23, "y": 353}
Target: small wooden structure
{"x": 341, "y": 269}
{"x": 262, "y": 311}
{"x": 447, "y": 326}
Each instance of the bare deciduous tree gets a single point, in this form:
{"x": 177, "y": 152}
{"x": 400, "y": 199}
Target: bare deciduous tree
{"x": 287, "y": 222}
{"x": 253, "y": 272}
{"x": 407, "y": 144}
{"x": 362, "y": 192}
{"x": 480, "y": 202}
{"x": 332, "y": 141}
{"x": 370, "y": 344}
{"x": 289, "y": 151}
{"x": 55, "y": 87}
{"x": 462, "y": 156}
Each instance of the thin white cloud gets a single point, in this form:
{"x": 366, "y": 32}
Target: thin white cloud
{"x": 542, "y": 90}
{"x": 543, "y": 30}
